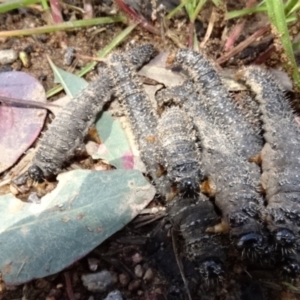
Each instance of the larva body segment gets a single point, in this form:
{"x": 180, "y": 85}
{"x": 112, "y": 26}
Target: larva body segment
{"x": 249, "y": 108}
{"x": 67, "y": 131}
{"x": 142, "y": 116}
{"x": 280, "y": 158}
{"x": 205, "y": 249}
{"x": 180, "y": 154}
{"x": 218, "y": 101}
{"x": 235, "y": 180}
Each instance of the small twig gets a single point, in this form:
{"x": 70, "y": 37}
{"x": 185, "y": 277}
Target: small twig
{"x": 209, "y": 28}
{"x": 56, "y": 11}
{"x": 149, "y": 219}
{"x": 233, "y": 36}
{"x": 244, "y": 44}
{"x": 140, "y": 20}
{"x": 119, "y": 265}
{"x": 235, "y": 33}
{"x": 69, "y": 288}
{"x": 27, "y": 103}
{"x": 179, "y": 263}
{"x": 137, "y": 17}
{"x": 71, "y": 25}
{"x": 88, "y": 9}
{"x": 265, "y": 55}
{"x": 191, "y": 34}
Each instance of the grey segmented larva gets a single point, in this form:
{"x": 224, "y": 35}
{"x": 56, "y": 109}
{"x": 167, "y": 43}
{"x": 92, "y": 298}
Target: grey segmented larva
{"x": 67, "y": 131}
{"x": 280, "y": 158}
{"x": 233, "y": 179}
{"x": 179, "y": 151}
{"x": 141, "y": 114}
{"x": 217, "y": 100}
{"x": 205, "y": 249}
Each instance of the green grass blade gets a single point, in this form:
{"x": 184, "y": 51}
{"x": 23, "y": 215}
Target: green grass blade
{"x": 45, "y": 5}
{"x": 277, "y": 17}
{"x": 177, "y": 9}
{"x": 13, "y": 4}
{"x": 62, "y": 26}
{"x": 244, "y": 12}
{"x": 217, "y": 3}
{"x": 290, "y": 6}
{"x": 294, "y": 9}
{"x": 189, "y": 9}
{"x": 197, "y": 10}
{"x": 296, "y": 46}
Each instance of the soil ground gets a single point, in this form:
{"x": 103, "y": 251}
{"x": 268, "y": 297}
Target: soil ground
{"x": 141, "y": 267}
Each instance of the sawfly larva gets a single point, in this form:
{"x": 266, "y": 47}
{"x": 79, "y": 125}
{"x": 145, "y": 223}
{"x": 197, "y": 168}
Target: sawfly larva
{"x": 232, "y": 180}
{"x": 205, "y": 249}
{"x": 218, "y": 102}
{"x": 67, "y": 131}
{"x": 280, "y": 158}
{"x": 142, "y": 116}
{"x": 179, "y": 150}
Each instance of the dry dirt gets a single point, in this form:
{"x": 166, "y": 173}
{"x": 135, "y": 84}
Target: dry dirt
{"x": 142, "y": 270}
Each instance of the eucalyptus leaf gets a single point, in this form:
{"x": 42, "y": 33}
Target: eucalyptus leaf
{"x": 85, "y": 209}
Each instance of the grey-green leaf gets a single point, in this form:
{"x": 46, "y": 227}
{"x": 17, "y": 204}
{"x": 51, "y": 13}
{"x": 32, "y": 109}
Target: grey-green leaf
{"x": 86, "y": 208}
{"x": 72, "y": 83}
{"x": 115, "y": 148}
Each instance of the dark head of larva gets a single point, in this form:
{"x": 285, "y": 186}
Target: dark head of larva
{"x": 212, "y": 271}
{"x": 251, "y": 243}
{"x": 188, "y": 187}
{"x": 36, "y": 173}
{"x": 284, "y": 239}
{"x": 245, "y": 235}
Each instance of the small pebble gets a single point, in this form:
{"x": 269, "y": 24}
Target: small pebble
{"x": 137, "y": 258}
{"x": 24, "y": 58}
{"x": 138, "y": 271}
{"x": 98, "y": 282}
{"x": 8, "y": 56}
{"x": 33, "y": 198}
{"x": 134, "y": 285}
{"x": 114, "y": 295}
{"x": 124, "y": 279}
{"x": 148, "y": 275}
{"x": 93, "y": 264}
{"x": 69, "y": 56}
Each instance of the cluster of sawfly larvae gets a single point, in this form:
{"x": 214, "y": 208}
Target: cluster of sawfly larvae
{"x": 200, "y": 152}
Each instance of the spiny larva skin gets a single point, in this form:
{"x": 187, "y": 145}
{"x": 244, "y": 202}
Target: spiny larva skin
{"x": 280, "y": 158}
{"x": 67, "y": 131}
{"x": 236, "y": 180}
{"x": 218, "y": 101}
{"x": 142, "y": 116}
{"x": 180, "y": 154}
{"x": 249, "y": 108}
{"x": 207, "y": 250}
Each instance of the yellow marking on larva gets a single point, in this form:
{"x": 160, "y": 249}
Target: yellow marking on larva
{"x": 256, "y": 159}
{"x": 222, "y": 227}
{"x": 208, "y": 187}
{"x": 151, "y": 139}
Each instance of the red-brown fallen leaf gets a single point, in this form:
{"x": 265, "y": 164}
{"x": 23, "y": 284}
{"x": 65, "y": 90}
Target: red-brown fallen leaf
{"x": 19, "y": 125}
